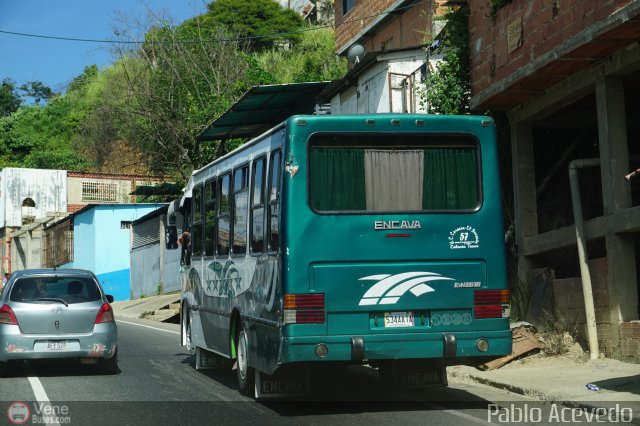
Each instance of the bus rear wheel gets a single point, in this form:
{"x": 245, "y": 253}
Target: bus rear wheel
{"x": 246, "y": 374}
{"x": 4, "y": 368}
{"x": 186, "y": 329}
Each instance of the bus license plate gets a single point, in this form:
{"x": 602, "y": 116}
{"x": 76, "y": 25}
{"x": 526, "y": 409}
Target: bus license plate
{"x": 56, "y": 345}
{"x": 398, "y": 319}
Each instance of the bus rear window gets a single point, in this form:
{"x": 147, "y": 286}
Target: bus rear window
{"x": 396, "y": 173}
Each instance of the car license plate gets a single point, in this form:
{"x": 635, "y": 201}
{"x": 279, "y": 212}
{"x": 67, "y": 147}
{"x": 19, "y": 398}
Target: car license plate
{"x": 398, "y": 319}
{"x": 56, "y": 345}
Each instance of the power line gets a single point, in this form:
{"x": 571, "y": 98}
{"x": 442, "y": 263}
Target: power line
{"x": 219, "y": 40}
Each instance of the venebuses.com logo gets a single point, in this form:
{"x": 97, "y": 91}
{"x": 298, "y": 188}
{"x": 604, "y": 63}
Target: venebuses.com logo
{"x": 20, "y": 413}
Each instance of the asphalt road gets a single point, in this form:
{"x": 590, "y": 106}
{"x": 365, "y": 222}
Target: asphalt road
{"x": 157, "y": 385}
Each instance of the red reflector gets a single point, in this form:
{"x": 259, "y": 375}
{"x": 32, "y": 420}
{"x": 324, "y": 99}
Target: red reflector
{"x": 312, "y": 316}
{"x": 105, "y": 314}
{"x": 490, "y": 297}
{"x": 398, "y": 235}
{"x": 304, "y": 301}
{"x": 7, "y": 316}
{"x": 488, "y": 311}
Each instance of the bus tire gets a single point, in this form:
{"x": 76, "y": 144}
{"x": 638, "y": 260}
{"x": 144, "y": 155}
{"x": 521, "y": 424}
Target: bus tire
{"x": 186, "y": 329}
{"x": 387, "y": 372}
{"x": 4, "y": 368}
{"x": 246, "y": 374}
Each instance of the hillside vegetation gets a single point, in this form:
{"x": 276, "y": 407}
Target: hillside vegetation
{"x": 142, "y": 113}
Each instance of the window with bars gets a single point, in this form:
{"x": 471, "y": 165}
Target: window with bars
{"x": 57, "y": 246}
{"x": 99, "y": 191}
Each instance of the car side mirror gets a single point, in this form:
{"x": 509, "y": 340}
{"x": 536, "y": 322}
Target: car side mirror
{"x": 109, "y": 298}
{"x": 171, "y": 237}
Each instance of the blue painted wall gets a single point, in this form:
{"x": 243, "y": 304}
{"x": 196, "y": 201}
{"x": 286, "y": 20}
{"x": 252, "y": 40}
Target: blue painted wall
{"x": 101, "y": 245}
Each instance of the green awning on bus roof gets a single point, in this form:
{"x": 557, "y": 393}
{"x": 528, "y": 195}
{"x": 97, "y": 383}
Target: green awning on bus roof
{"x": 263, "y": 107}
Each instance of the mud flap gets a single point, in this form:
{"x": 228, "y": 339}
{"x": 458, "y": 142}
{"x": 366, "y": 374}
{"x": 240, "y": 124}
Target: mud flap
{"x": 206, "y": 360}
{"x": 284, "y": 383}
{"x": 415, "y": 374}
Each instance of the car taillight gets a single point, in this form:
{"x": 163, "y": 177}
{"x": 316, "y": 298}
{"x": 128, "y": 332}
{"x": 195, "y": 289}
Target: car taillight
{"x": 304, "y": 308}
{"x": 105, "y": 314}
{"x": 491, "y": 303}
{"x": 7, "y": 316}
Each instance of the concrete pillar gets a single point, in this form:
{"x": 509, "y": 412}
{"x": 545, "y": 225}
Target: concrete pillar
{"x": 612, "y": 134}
{"x": 524, "y": 190}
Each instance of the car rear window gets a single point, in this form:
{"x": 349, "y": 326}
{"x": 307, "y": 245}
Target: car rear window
{"x": 69, "y": 289}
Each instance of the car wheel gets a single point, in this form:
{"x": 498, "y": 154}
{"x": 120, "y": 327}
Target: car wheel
{"x": 110, "y": 366}
{"x": 4, "y": 369}
{"x": 246, "y": 374}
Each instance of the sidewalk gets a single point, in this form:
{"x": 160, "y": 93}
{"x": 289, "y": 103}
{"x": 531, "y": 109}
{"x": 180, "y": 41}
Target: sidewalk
{"x": 144, "y": 307}
{"x": 563, "y": 380}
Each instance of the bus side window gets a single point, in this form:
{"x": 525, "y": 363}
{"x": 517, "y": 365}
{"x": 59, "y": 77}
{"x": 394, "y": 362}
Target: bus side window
{"x": 224, "y": 216}
{"x": 274, "y": 199}
{"x": 209, "y": 217}
{"x": 240, "y": 198}
{"x": 196, "y": 227}
{"x": 257, "y": 206}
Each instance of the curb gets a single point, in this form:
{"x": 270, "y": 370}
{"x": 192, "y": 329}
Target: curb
{"x": 550, "y": 398}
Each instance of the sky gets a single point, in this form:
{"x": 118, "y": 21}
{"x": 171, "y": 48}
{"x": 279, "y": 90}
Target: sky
{"x": 57, "y": 62}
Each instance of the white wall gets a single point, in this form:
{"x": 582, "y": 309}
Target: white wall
{"x": 47, "y": 188}
{"x": 372, "y": 93}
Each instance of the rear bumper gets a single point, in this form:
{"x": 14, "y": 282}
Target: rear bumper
{"x": 99, "y": 343}
{"x": 398, "y": 346}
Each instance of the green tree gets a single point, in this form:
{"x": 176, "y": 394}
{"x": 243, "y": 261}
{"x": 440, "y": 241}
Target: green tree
{"x": 176, "y": 85}
{"x": 9, "y": 98}
{"x": 40, "y": 137}
{"x": 312, "y": 59}
{"x": 264, "y": 23}
{"x": 37, "y": 90}
{"x": 448, "y": 89}
{"x": 81, "y": 82}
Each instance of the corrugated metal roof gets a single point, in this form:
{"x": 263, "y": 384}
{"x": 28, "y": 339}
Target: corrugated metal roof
{"x": 262, "y": 107}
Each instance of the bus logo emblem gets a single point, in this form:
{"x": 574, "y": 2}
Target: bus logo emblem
{"x": 381, "y": 225}
{"x": 389, "y": 288}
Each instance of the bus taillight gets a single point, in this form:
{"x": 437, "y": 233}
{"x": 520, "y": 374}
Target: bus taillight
{"x": 490, "y": 297}
{"x": 491, "y": 303}
{"x": 304, "y": 308}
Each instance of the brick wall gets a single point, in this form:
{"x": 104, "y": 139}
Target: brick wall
{"x": 409, "y": 28}
{"x": 615, "y": 340}
{"x": 630, "y": 341}
{"x": 546, "y": 25}
{"x": 569, "y": 302}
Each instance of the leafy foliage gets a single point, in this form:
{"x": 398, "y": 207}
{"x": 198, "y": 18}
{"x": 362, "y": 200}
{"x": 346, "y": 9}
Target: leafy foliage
{"x": 143, "y": 113}
{"x": 447, "y": 90}
{"x": 37, "y": 91}
{"x": 313, "y": 59}
{"x": 176, "y": 87}
{"x": 9, "y": 98}
{"x": 39, "y": 137}
{"x": 264, "y": 22}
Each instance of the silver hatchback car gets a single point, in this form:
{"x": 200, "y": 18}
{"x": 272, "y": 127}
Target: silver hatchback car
{"x": 57, "y": 313}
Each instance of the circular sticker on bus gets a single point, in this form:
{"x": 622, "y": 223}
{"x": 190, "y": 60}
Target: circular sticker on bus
{"x": 464, "y": 237}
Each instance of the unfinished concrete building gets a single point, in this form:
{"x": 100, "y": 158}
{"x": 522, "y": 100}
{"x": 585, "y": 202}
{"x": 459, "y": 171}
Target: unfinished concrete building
{"x": 567, "y": 73}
